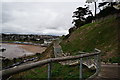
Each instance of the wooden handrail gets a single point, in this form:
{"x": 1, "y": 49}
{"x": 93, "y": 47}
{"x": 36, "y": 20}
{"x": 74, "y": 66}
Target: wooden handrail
{"x": 17, "y": 69}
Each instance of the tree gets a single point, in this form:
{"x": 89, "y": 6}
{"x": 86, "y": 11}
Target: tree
{"x": 80, "y": 14}
{"x": 107, "y": 11}
{"x": 90, "y": 1}
{"x": 106, "y": 3}
{"x": 72, "y": 29}
{"x": 6, "y": 61}
{"x": 108, "y": 8}
{"x": 102, "y": 4}
{"x": 14, "y": 60}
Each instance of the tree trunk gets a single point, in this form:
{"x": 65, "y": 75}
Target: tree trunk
{"x": 95, "y": 8}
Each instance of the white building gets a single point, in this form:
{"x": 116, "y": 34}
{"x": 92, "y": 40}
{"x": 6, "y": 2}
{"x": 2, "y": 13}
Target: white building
{"x": 47, "y": 41}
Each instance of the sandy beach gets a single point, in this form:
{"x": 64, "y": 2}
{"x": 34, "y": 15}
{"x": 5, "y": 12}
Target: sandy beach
{"x": 19, "y": 50}
{"x": 33, "y": 48}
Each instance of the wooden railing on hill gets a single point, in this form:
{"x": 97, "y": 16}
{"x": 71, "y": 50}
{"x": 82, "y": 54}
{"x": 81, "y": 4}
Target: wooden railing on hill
{"x": 8, "y": 72}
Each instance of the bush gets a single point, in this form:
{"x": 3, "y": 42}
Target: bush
{"x": 72, "y": 29}
{"x": 66, "y": 37}
{"x": 114, "y": 60}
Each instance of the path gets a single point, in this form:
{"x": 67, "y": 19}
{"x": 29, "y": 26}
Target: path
{"x": 109, "y": 71}
{"x": 57, "y": 49}
{"x": 59, "y": 53}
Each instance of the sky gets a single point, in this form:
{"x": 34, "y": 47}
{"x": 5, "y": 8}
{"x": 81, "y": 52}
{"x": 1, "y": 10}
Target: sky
{"x": 44, "y": 17}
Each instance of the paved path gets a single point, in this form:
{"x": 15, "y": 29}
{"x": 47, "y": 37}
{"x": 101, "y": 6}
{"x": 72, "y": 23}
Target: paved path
{"x": 59, "y": 53}
{"x": 109, "y": 71}
{"x": 57, "y": 49}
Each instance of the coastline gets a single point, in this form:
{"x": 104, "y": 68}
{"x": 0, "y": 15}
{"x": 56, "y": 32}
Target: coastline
{"x": 21, "y": 49}
{"x": 33, "y": 48}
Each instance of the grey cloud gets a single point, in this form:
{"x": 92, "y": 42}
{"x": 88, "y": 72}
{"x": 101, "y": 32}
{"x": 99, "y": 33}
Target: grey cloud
{"x": 38, "y": 18}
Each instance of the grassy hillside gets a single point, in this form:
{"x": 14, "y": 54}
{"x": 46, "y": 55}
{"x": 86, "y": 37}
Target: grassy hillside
{"x": 59, "y": 72}
{"x": 102, "y": 35}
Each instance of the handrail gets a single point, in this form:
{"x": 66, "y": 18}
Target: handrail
{"x": 17, "y": 69}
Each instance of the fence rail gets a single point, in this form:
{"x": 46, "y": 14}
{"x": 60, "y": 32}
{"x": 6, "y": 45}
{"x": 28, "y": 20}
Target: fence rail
{"x": 21, "y": 68}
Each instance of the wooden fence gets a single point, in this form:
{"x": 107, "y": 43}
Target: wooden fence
{"x": 8, "y": 72}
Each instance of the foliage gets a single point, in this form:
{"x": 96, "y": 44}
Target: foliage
{"x": 72, "y": 29}
{"x": 59, "y": 71}
{"x": 107, "y": 4}
{"x": 80, "y": 14}
{"x": 66, "y": 36}
{"x": 114, "y": 60}
{"x": 101, "y": 35}
{"x": 90, "y": 1}
{"x": 107, "y": 11}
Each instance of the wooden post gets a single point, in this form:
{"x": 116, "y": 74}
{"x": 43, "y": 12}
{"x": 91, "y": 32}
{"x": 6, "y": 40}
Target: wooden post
{"x": 97, "y": 63}
{"x": 80, "y": 78}
{"x": 21, "y": 68}
{"x": 49, "y": 71}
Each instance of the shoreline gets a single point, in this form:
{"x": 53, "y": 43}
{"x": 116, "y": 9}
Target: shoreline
{"x": 29, "y": 47}
{"x": 24, "y": 49}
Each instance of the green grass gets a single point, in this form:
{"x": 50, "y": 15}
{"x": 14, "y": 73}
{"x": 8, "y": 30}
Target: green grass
{"x": 114, "y": 60}
{"x": 102, "y": 35}
{"x": 11, "y": 61}
{"x": 58, "y": 72}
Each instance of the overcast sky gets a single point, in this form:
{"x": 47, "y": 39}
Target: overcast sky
{"x": 46, "y": 18}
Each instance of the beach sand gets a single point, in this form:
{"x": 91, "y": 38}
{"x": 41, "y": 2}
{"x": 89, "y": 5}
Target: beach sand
{"x": 19, "y": 50}
{"x": 33, "y": 48}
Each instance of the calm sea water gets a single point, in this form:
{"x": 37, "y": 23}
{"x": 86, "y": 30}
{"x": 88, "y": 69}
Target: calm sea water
{"x": 14, "y": 51}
